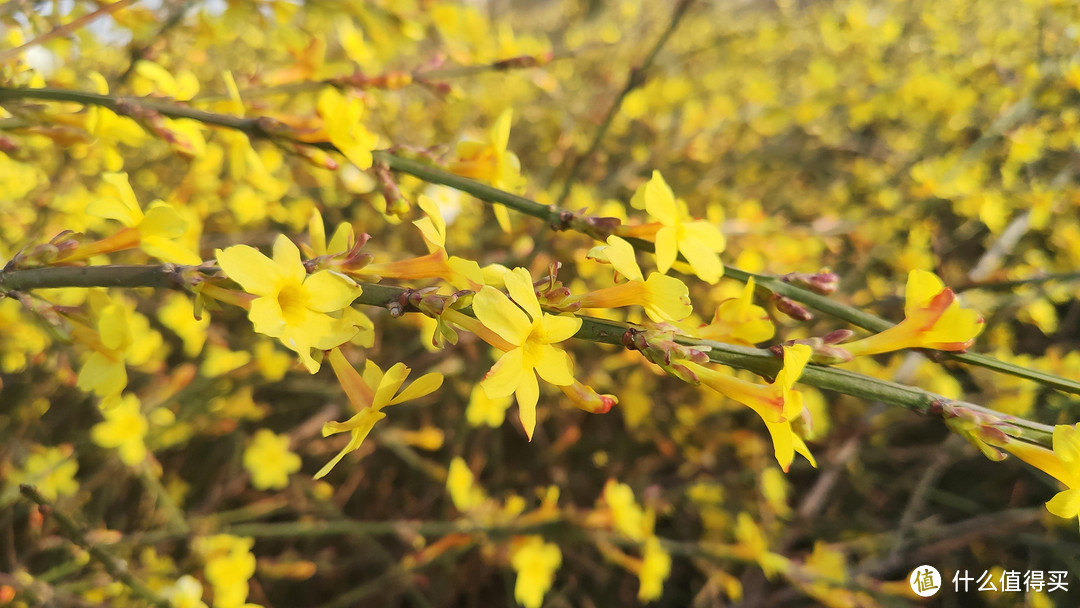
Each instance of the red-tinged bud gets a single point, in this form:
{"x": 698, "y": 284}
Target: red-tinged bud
{"x": 824, "y": 353}
{"x": 316, "y": 157}
{"x": 599, "y": 228}
{"x": 7, "y": 146}
{"x": 791, "y": 308}
{"x": 587, "y": 399}
{"x": 837, "y": 336}
{"x": 823, "y": 282}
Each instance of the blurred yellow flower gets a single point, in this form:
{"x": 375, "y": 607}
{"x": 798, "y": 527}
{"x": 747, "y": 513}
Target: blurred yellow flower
{"x": 49, "y": 469}
{"x": 739, "y": 321}
{"x": 341, "y": 121}
{"x": 488, "y": 160}
{"x": 464, "y": 492}
{"x": 124, "y": 428}
{"x": 655, "y": 568}
{"x": 535, "y": 563}
{"x": 269, "y": 460}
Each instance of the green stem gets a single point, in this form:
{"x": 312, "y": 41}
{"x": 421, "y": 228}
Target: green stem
{"x": 269, "y": 128}
{"x": 759, "y": 361}
{"x": 115, "y": 567}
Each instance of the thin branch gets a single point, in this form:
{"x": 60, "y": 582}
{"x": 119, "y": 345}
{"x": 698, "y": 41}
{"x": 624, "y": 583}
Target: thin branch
{"x": 271, "y": 129}
{"x": 759, "y": 361}
{"x": 116, "y": 568}
{"x": 65, "y": 29}
{"x": 635, "y": 79}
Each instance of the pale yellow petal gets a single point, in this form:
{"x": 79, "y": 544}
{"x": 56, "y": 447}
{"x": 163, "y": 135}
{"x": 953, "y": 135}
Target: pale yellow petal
{"x": 502, "y": 316}
{"x": 265, "y": 315}
{"x": 553, "y": 365}
{"x": 556, "y": 328}
{"x": 660, "y": 201}
{"x": 667, "y": 247}
{"x": 527, "y": 393}
{"x": 503, "y": 377}
{"x": 255, "y": 272}
{"x": 330, "y": 291}
{"x": 424, "y": 385}
{"x": 287, "y": 258}
{"x": 520, "y": 285}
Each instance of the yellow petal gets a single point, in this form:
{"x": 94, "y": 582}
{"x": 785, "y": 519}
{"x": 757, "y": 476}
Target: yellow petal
{"x": 359, "y": 392}
{"x": 265, "y": 315}
{"x": 921, "y": 287}
{"x": 390, "y": 383}
{"x": 527, "y": 393}
{"x": 666, "y": 248}
{"x": 556, "y": 328}
{"x": 366, "y": 421}
{"x": 162, "y": 220}
{"x": 503, "y": 377}
{"x": 1067, "y": 443}
{"x": 783, "y": 444}
{"x": 102, "y": 375}
{"x": 500, "y": 131}
{"x": 520, "y": 285}
{"x": 317, "y": 233}
{"x": 168, "y": 250}
{"x": 330, "y": 291}
{"x": 660, "y": 201}
{"x": 424, "y": 385}
{"x": 705, "y": 262}
{"x": 255, "y": 272}
{"x": 669, "y": 298}
{"x": 622, "y": 256}
{"x": 1065, "y": 504}
{"x": 122, "y": 207}
{"x": 287, "y": 258}
{"x": 553, "y": 365}
{"x": 502, "y": 316}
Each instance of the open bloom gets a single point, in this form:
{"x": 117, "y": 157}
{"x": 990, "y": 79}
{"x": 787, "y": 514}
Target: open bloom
{"x": 369, "y": 401}
{"x": 291, "y": 305}
{"x": 699, "y": 241}
{"x": 664, "y": 298}
{"x": 124, "y": 428}
{"x": 932, "y": 319}
{"x": 341, "y": 120}
{"x": 739, "y": 321}
{"x": 488, "y": 160}
{"x": 156, "y": 232}
{"x": 1062, "y": 464}
{"x": 777, "y": 403}
{"x": 535, "y": 563}
{"x": 530, "y": 333}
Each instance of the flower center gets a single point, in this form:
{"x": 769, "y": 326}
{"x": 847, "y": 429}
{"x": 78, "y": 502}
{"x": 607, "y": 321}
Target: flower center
{"x": 293, "y": 302}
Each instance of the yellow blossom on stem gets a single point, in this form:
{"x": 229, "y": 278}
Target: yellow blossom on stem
{"x": 535, "y": 563}
{"x": 464, "y": 492}
{"x": 699, "y": 241}
{"x": 49, "y": 469}
{"x": 629, "y": 518}
{"x": 532, "y": 333}
{"x": 777, "y": 403}
{"x": 753, "y": 545}
{"x": 739, "y": 321}
{"x": 489, "y": 161}
{"x": 1063, "y": 464}
{"x": 932, "y": 319}
{"x": 291, "y": 305}
{"x": 229, "y": 566}
{"x": 124, "y": 428}
{"x": 341, "y": 121}
{"x": 155, "y": 231}
{"x": 483, "y": 410}
{"x": 369, "y": 402}
{"x": 664, "y": 298}
{"x": 654, "y": 570}
{"x": 270, "y": 461}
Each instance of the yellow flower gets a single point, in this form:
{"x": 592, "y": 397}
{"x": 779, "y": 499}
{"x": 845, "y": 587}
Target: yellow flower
{"x": 535, "y": 563}
{"x": 932, "y": 319}
{"x": 664, "y": 298}
{"x": 229, "y": 566}
{"x": 752, "y": 544}
{"x": 155, "y": 231}
{"x": 484, "y": 410}
{"x": 50, "y": 470}
{"x": 777, "y": 403}
{"x": 488, "y": 160}
{"x": 369, "y": 402}
{"x": 531, "y": 335}
{"x": 461, "y": 484}
{"x": 124, "y": 428}
{"x": 739, "y": 321}
{"x": 699, "y": 241}
{"x": 1062, "y": 464}
{"x": 269, "y": 460}
{"x": 629, "y": 518}
{"x": 292, "y": 305}
{"x": 341, "y": 122}
{"x": 654, "y": 570}
{"x": 185, "y": 593}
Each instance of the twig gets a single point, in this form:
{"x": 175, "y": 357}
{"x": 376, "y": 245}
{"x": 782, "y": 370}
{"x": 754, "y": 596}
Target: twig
{"x": 116, "y": 568}
{"x": 635, "y": 79}
{"x": 67, "y": 28}
{"x": 271, "y": 129}
{"x": 759, "y": 361}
